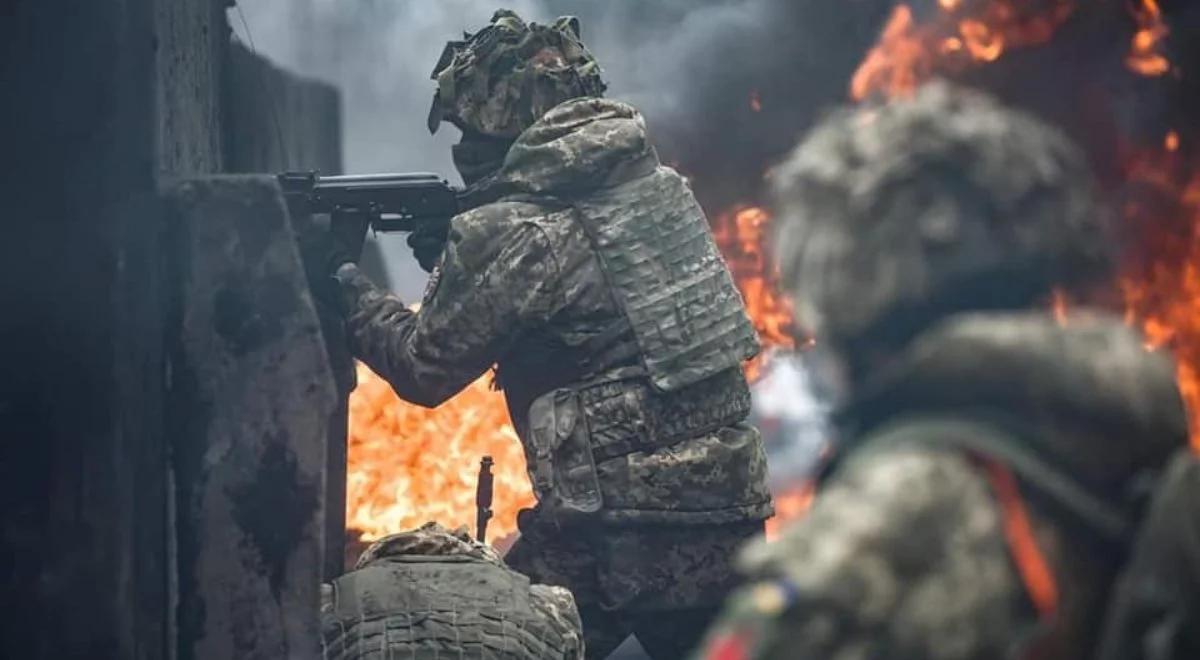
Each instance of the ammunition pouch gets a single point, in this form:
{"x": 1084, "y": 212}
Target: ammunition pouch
{"x": 562, "y": 468}
{"x": 572, "y": 430}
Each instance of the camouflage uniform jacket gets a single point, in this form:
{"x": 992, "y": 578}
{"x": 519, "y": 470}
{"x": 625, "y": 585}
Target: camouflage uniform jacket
{"x": 431, "y": 593}
{"x": 905, "y": 552}
{"x": 519, "y": 286}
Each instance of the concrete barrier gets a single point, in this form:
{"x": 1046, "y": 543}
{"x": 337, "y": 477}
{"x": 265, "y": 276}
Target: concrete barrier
{"x": 251, "y": 396}
{"x": 275, "y": 120}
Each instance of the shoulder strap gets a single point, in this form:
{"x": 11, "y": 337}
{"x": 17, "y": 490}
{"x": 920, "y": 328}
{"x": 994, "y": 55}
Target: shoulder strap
{"x": 607, "y": 346}
{"x": 1109, "y": 522}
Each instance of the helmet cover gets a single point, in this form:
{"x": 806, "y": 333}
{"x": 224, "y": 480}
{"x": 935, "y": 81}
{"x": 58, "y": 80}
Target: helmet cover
{"x": 498, "y": 81}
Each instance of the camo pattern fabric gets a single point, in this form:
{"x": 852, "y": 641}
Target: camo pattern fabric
{"x": 890, "y": 214}
{"x": 429, "y": 540}
{"x": 431, "y": 593}
{"x": 666, "y": 603}
{"x": 520, "y": 287}
{"x": 904, "y": 553}
{"x": 500, "y": 80}
{"x": 900, "y": 557}
{"x": 914, "y": 236}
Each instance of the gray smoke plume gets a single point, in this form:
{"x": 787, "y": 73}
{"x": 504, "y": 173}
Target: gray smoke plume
{"x": 691, "y": 66}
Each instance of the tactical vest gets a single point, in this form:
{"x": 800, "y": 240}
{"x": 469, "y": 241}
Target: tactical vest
{"x": 691, "y": 334}
{"x": 657, "y": 251}
{"x": 438, "y": 607}
{"x": 683, "y": 325}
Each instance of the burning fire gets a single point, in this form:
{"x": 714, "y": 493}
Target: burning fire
{"x": 409, "y": 465}
{"x": 1161, "y": 288}
{"x": 1059, "y": 306}
{"x": 790, "y": 505}
{"x": 740, "y": 234}
{"x": 961, "y": 34}
{"x": 1144, "y": 56}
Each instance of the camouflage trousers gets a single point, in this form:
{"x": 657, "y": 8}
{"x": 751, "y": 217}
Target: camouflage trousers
{"x": 662, "y": 584}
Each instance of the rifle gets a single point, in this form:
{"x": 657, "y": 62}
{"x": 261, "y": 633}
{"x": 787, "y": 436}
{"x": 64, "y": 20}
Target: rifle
{"x": 407, "y": 202}
{"x": 483, "y": 499}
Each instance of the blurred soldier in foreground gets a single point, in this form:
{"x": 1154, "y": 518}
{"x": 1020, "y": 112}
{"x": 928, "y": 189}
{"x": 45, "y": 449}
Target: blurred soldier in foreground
{"x": 432, "y": 593}
{"x": 586, "y": 272}
{"x": 978, "y": 507}
{"x": 1155, "y": 607}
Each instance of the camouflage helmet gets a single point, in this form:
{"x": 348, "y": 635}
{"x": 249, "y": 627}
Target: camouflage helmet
{"x": 500, "y": 80}
{"x": 891, "y": 216}
{"x": 429, "y": 540}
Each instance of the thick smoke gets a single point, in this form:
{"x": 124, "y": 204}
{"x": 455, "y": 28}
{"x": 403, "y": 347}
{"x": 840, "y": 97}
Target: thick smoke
{"x": 691, "y": 66}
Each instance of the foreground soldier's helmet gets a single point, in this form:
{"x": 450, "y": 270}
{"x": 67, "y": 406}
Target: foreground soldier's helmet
{"x": 433, "y": 592}
{"x": 500, "y": 80}
{"x": 892, "y": 216}
{"x": 429, "y": 540}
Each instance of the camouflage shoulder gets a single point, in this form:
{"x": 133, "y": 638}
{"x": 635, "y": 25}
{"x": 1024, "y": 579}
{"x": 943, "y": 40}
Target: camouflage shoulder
{"x": 494, "y": 217}
{"x": 478, "y": 234}
{"x": 907, "y": 539}
{"x": 750, "y": 622}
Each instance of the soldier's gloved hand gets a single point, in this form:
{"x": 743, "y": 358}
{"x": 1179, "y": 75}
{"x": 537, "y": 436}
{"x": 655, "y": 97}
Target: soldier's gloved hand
{"x": 347, "y": 233}
{"x": 427, "y": 245}
{"x": 350, "y": 287}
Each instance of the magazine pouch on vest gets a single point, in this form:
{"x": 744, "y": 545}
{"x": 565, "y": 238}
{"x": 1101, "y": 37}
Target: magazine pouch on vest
{"x": 562, "y": 468}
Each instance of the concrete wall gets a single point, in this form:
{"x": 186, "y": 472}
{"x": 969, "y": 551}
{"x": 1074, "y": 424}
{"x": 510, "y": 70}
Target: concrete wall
{"x": 90, "y": 130}
{"x": 192, "y": 39}
{"x": 104, "y": 101}
{"x": 252, "y": 393}
{"x": 276, "y": 121}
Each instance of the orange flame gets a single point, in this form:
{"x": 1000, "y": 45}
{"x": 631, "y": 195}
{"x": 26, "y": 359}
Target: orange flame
{"x": 899, "y": 63}
{"x": 1161, "y": 291}
{"x": 1058, "y": 305}
{"x": 409, "y": 465}
{"x": 1144, "y": 57}
{"x": 963, "y": 33}
{"x": 790, "y": 505}
{"x": 740, "y": 234}
{"x": 755, "y": 101}
{"x": 981, "y": 41}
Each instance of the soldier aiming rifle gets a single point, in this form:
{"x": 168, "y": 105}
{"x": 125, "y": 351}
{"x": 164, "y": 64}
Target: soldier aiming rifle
{"x": 584, "y": 271}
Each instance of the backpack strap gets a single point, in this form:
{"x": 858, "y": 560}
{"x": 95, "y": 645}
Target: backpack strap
{"x": 1031, "y": 562}
{"x": 1109, "y": 522}
{"x": 1003, "y": 457}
